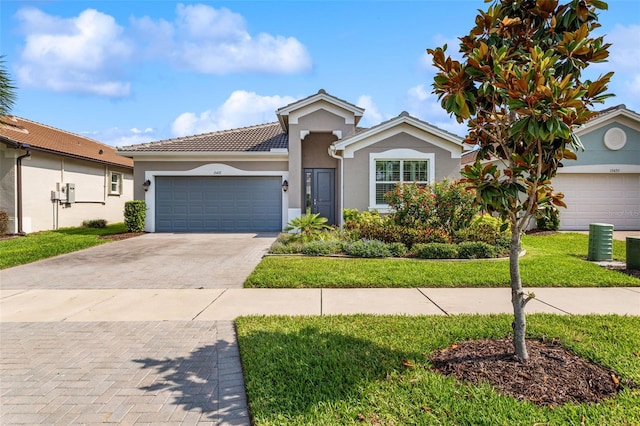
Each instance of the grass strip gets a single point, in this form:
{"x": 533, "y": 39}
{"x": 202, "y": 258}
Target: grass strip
{"x": 341, "y": 370}
{"x": 45, "y": 244}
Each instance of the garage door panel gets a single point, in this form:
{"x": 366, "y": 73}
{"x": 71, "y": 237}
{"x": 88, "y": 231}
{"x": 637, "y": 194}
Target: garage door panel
{"x": 599, "y": 198}
{"x": 218, "y": 204}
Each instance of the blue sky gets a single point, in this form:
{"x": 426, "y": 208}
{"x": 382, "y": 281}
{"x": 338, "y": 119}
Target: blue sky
{"x": 126, "y": 72}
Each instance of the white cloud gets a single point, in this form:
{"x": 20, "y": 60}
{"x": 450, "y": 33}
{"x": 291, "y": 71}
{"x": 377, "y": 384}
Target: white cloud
{"x": 372, "y": 114}
{"x": 78, "y": 54}
{"x": 425, "y": 105}
{"x": 241, "y": 109}
{"x": 623, "y": 59}
{"x": 124, "y": 137}
{"x": 216, "y": 41}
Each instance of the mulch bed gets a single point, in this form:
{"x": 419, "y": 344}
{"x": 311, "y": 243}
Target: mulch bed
{"x": 122, "y": 236}
{"x": 552, "y": 376}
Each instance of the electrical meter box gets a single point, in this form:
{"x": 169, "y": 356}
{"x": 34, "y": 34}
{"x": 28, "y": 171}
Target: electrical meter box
{"x": 71, "y": 193}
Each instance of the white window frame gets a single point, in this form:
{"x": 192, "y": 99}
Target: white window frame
{"x": 403, "y": 154}
{"x": 118, "y": 191}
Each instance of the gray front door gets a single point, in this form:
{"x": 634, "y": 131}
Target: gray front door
{"x": 320, "y": 190}
{"x": 218, "y": 204}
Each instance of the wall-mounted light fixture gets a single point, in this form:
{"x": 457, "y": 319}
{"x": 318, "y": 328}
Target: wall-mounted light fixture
{"x": 146, "y": 185}
{"x": 285, "y": 186}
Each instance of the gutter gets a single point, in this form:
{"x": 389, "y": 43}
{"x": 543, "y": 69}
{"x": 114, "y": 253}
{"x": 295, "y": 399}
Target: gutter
{"x": 333, "y": 153}
{"x": 19, "y": 186}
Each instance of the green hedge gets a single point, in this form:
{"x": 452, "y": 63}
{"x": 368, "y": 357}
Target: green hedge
{"x": 135, "y": 213}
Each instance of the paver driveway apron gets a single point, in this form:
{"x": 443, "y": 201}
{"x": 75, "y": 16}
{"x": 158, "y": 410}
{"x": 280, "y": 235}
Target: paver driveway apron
{"x": 57, "y": 367}
{"x": 160, "y": 261}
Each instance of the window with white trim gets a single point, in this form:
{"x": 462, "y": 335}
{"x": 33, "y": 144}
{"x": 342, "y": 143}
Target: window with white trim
{"x": 397, "y": 166}
{"x": 391, "y": 172}
{"x": 115, "y": 183}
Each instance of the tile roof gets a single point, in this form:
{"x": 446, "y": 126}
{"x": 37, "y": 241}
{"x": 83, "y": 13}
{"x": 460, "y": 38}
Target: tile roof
{"x": 259, "y": 138}
{"x": 16, "y": 131}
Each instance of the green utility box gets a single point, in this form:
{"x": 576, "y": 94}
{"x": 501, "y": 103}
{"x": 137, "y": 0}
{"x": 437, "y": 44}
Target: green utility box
{"x": 633, "y": 253}
{"x": 600, "y": 242}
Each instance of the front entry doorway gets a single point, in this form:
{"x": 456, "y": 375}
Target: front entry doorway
{"x": 320, "y": 193}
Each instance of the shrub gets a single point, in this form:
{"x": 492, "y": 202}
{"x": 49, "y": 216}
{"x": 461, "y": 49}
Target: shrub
{"x": 308, "y": 227}
{"x": 407, "y": 235}
{"x": 321, "y": 248}
{"x": 368, "y": 248}
{"x": 444, "y": 205}
{"x": 280, "y": 248}
{"x": 135, "y": 212}
{"x": 4, "y": 222}
{"x": 485, "y": 228}
{"x": 476, "y": 250}
{"x": 454, "y": 207}
{"x": 397, "y": 249}
{"x": 435, "y": 251}
{"x": 94, "y": 223}
{"x": 548, "y": 219}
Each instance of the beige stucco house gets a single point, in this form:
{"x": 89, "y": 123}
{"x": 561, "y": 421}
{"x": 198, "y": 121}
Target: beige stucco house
{"x": 50, "y": 178}
{"x": 313, "y": 158}
{"x": 603, "y": 184}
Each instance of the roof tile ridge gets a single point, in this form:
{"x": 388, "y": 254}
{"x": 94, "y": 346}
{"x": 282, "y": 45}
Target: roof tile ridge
{"x": 66, "y": 131}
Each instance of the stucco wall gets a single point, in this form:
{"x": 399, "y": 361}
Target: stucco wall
{"x": 596, "y": 151}
{"x": 320, "y": 120}
{"x": 142, "y": 167}
{"x": 357, "y": 169}
{"x": 43, "y": 173}
{"x": 7, "y": 183}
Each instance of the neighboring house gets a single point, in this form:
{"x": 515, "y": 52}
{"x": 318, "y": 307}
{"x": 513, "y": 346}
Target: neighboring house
{"x": 603, "y": 184}
{"x": 51, "y": 179}
{"x": 314, "y": 158}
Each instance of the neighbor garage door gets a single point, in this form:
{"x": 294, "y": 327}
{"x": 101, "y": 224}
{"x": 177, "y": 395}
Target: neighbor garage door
{"x": 599, "y": 198}
{"x": 218, "y": 204}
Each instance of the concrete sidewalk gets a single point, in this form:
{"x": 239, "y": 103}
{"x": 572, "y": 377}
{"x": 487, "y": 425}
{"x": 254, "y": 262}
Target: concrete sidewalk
{"x": 43, "y": 305}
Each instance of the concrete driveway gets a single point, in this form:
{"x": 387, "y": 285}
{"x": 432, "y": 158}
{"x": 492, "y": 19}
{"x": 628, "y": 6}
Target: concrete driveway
{"x": 151, "y": 261}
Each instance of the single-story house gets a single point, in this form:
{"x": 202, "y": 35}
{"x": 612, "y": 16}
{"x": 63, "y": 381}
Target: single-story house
{"x": 50, "y": 178}
{"x": 313, "y": 158}
{"x": 603, "y": 184}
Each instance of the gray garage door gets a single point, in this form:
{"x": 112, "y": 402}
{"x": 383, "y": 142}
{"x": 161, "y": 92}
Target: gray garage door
{"x": 218, "y": 204}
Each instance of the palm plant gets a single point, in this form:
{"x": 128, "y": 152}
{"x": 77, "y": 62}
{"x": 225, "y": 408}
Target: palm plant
{"x": 7, "y": 90}
{"x": 308, "y": 227}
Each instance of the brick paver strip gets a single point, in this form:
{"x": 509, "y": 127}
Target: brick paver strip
{"x": 121, "y": 372}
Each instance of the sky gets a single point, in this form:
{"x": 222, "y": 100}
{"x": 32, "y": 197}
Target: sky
{"x": 128, "y": 72}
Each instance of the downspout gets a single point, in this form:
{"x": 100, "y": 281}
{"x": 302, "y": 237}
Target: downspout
{"x": 19, "y": 187}
{"x": 332, "y": 153}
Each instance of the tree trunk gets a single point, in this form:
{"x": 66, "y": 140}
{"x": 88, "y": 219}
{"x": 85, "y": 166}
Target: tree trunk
{"x": 517, "y": 297}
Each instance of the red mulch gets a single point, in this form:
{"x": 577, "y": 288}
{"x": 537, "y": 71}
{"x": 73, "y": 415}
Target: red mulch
{"x": 552, "y": 376}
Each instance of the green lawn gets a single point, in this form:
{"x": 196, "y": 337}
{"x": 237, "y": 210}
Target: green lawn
{"x": 41, "y": 245}
{"x": 551, "y": 260}
{"x": 340, "y": 370}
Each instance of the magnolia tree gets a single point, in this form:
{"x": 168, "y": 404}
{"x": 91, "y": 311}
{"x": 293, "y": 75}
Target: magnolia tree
{"x": 520, "y": 87}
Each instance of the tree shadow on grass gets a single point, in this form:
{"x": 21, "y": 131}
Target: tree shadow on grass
{"x": 291, "y": 373}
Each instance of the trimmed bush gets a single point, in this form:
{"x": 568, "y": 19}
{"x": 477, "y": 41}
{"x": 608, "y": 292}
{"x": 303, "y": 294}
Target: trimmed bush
{"x": 135, "y": 213}
{"x": 485, "y": 228}
{"x": 435, "y": 251}
{"x": 281, "y": 248}
{"x": 389, "y": 233}
{"x": 476, "y": 250}
{"x": 321, "y": 248}
{"x": 95, "y": 223}
{"x": 397, "y": 249}
{"x": 4, "y": 222}
{"x": 368, "y": 248}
